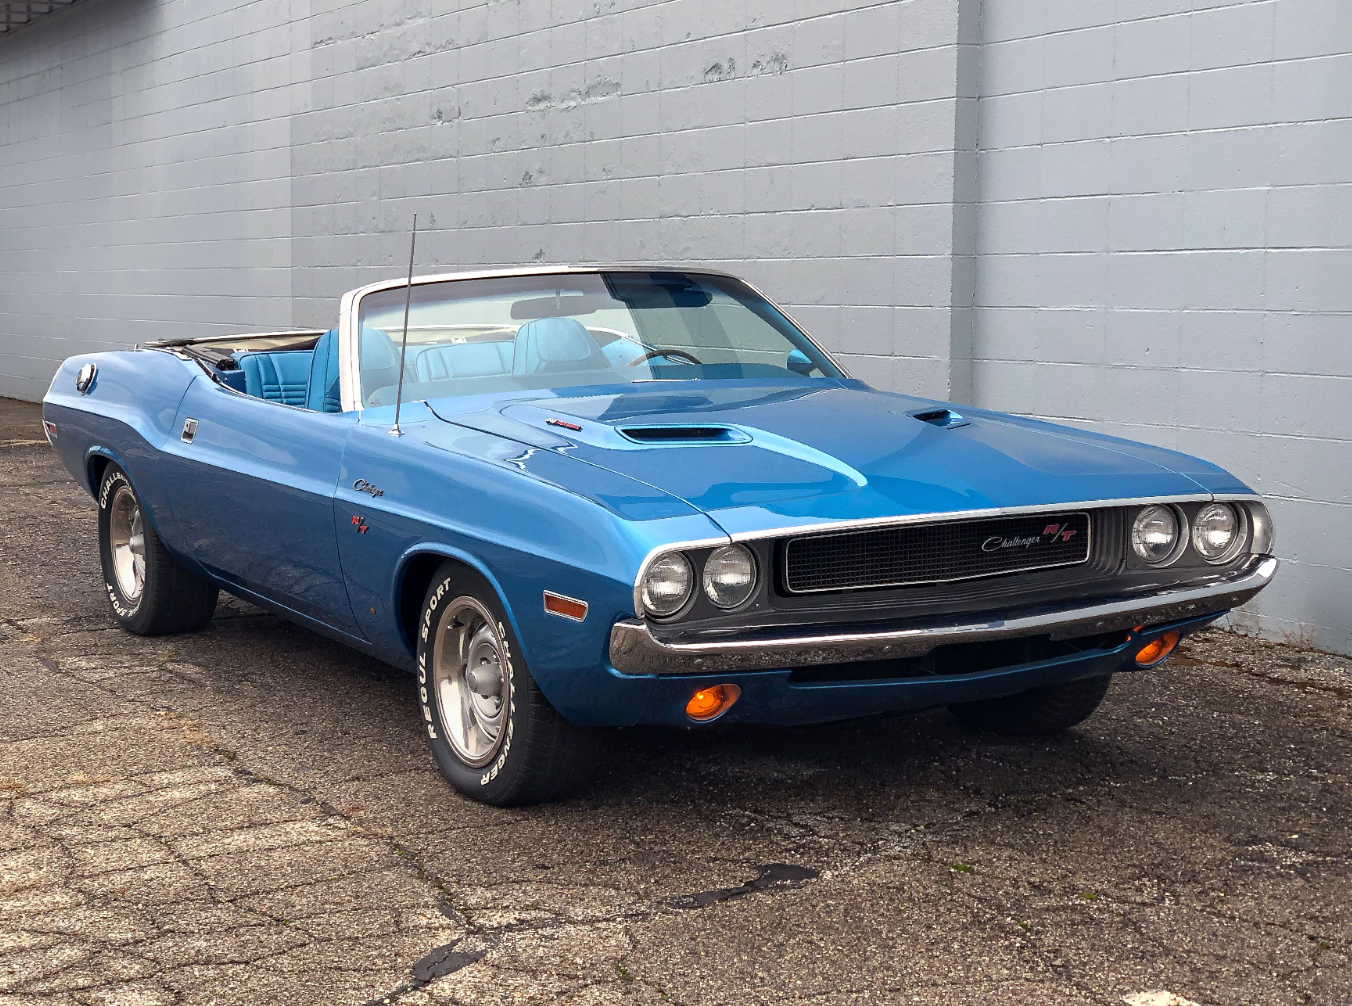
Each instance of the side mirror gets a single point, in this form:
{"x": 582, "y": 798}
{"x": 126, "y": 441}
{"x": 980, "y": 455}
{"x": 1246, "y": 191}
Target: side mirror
{"x": 799, "y": 363}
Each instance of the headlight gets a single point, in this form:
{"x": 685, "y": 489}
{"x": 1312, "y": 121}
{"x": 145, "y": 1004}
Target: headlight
{"x": 1217, "y": 532}
{"x": 1154, "y": 534}
{"x": 666, "y": 584}
{"x": 729, "y": 576}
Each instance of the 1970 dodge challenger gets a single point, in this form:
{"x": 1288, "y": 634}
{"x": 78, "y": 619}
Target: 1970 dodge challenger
{"x": 638, "y": 496}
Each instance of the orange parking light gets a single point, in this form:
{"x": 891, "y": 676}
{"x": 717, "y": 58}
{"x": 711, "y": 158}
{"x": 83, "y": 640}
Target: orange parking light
{"x": 1153, "y": 652}
{"x": 711, "y": 703}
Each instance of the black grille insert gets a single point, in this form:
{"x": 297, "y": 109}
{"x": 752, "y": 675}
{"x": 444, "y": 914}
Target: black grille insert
{"x": 935, "y": 553}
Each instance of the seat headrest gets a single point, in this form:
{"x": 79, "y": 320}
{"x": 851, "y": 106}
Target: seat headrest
{"x": 554, "y": 343}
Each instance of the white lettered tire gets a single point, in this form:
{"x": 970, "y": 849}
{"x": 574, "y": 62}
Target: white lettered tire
{"x": 493, "y": 734}
{"x": 150, "y": 593}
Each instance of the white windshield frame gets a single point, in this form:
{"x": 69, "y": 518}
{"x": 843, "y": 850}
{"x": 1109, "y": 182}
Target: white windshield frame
{"x": 349, "y": 363}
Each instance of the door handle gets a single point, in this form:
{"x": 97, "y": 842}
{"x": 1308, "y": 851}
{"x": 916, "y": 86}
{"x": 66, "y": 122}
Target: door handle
{"x": 189, "y": 430}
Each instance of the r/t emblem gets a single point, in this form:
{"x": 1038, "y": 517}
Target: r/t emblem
{"x": 360, "y": 524}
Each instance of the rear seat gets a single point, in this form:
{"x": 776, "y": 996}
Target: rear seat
{"x": 307, "y": 379}
{"x": 277, "y": 377}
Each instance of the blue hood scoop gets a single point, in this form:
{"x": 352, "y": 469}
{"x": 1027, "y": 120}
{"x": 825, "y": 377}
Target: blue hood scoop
{"x": 680, "y": 434}
{"x": 945, "y": 419}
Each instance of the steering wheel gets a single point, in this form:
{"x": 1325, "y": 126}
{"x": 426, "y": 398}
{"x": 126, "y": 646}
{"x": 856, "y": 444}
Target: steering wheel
{"x": 679, "y": 354}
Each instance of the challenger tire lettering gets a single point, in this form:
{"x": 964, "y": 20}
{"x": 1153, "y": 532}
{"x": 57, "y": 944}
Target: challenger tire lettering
{"x": 110, "y": 485}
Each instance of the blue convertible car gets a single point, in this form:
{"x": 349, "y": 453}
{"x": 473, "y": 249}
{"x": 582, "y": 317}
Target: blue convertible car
{"x": 638, "y": 496}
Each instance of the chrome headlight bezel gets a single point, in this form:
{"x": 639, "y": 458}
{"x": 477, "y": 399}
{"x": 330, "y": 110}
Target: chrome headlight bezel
{"x": 1238, "y": 539}
{"x": 739, "y": 595}
{"x": 1178, "y": 543}
{"x": 676, "y": 564}
{"x": 1262, "y": 532}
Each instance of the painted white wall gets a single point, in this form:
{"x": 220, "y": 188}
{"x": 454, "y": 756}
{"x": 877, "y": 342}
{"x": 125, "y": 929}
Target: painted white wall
{"x": 145, "y": 177}
{"x": 1128, "y": 214}
{"x": 1165, "y": 215}
{"x": 807, "y": 146}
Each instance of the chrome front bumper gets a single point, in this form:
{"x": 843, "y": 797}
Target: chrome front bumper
{"x": 635, "y": 650}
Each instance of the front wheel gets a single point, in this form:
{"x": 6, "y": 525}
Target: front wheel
{"x": 494, "y": 735}
{"x": 150, "y": 593}
{"x": 1046, "y": 710}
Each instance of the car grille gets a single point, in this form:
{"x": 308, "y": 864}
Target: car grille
{"x": 935, "y": 553}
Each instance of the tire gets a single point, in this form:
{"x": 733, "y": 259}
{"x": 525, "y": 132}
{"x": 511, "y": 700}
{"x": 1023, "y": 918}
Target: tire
{"x": 1046, "y": 710}
{"x": 493, "y": 734}
{"x": 149, "y": 592}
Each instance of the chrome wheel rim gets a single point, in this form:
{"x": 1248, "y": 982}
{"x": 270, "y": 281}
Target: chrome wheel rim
{"x": 126, "y": 535}
{"x": 473, "y": 690}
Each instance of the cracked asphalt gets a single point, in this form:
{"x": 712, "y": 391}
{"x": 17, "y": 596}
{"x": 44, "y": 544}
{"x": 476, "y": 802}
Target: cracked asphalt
{"x": 249, "y": 815}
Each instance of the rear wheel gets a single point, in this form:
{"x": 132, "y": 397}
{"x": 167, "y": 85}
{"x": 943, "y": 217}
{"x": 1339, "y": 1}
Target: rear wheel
{"x": 150, "y": 593}
{"x": 1045, "y": 710}
{"x": 493, "y": 734}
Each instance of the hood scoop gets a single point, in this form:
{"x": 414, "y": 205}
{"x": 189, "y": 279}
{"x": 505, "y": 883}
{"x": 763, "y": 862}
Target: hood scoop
{"x": 945, "y": 419}
{"x": 675, "y": 435}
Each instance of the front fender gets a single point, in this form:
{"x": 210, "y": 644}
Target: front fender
{"x": 486, "y": 506}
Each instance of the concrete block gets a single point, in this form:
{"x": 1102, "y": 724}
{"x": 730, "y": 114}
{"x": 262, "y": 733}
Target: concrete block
{"x": 1152, "y": 46}
{"x": 1078, "y": 57}
{"x": 1234, "y": 96}
{"x": 1012, "y": 67}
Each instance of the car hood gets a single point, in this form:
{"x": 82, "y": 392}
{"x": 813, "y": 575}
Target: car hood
{"x": 756, "y": 456}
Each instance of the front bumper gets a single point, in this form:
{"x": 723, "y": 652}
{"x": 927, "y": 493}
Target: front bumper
{"x": 634, "y": 649}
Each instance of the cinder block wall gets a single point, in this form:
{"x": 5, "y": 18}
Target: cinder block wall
{"x": 808, "y": 146}
{"x": 1128, "y": 215}
{"x": 1163, "y": 231}
{"x": 145, "y": 178}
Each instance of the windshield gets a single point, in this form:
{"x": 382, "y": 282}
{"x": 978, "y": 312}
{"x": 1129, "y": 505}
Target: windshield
{"x": 470, "y": 337}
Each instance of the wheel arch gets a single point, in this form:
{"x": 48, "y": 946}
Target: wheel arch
{"x": 414, "y": 574}
{"x": 97, "y": 460}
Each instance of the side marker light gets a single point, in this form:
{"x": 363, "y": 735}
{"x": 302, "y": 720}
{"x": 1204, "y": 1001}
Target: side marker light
{"x": 710, "y": 703}
{"x": 565, "y": 607}
{"x": 1155, "y": 651}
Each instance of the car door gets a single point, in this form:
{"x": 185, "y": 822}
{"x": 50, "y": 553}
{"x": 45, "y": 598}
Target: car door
{"x": 256, "y": 494}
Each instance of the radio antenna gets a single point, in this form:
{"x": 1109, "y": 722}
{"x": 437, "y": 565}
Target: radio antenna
{"x": 395, "y": 431}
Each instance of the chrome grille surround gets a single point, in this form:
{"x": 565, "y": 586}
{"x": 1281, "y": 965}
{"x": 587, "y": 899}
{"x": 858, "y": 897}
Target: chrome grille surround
{"x": 941, "y": 552}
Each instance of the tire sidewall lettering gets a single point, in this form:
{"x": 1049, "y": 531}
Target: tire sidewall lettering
{"x": 510, "y": 668}
{"x": 427, "y": 632}
{"x": 111, "y": 483}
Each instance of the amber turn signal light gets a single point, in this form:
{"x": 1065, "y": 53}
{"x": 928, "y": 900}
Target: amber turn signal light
{"x": 711, "y": 703}
{"x": 565, "y": 607}
{"x": 1156, "y": 650}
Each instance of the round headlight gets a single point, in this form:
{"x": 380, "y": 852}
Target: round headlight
{"x": 729, "y": 576}
{"x": 1216, "y": 532}
{"x": 666, "y": 584}
{"x": 1154, "y": 534}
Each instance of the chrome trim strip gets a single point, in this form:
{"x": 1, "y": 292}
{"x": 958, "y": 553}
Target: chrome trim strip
{"x": 797, "y": 530}
{"x": 676, "y": 546}
{"x": 1089, "y": 554}
{"x": 206, "y": 339}
{"x": 635, "y": 650}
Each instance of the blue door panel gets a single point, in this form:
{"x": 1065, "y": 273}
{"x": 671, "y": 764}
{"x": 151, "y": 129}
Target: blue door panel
{"x": 255, "y": 502}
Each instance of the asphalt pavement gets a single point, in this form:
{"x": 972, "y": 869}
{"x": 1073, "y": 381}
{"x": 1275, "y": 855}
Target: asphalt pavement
{"x": 249, "y": 816}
